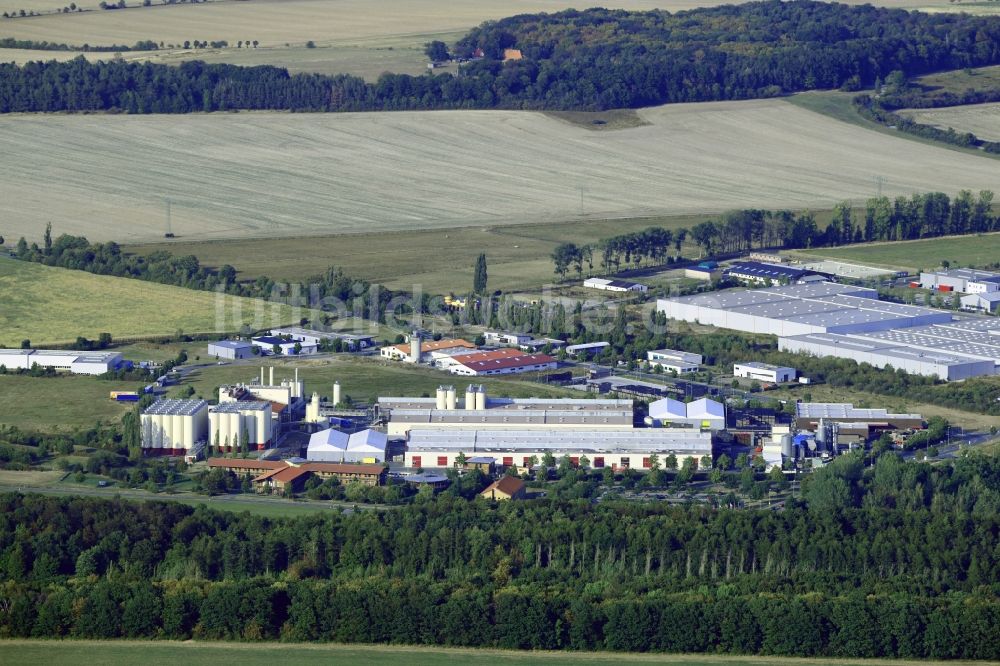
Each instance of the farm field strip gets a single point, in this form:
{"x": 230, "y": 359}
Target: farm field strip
{"x": 974, "y": 250}
{"x": 983, "y": 120}
{"x": 275, "y": 174}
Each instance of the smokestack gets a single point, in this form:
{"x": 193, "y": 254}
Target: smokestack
{"x": 272, "y": 376}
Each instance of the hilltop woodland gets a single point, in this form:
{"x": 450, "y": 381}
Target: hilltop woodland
{"x": 593, "y": 59}
{"x": 895, "y": 560}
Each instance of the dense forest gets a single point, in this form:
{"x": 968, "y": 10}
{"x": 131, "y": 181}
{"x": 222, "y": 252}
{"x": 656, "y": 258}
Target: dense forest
{"x": 593, "y": 59}
{"x": 899, "y": 559}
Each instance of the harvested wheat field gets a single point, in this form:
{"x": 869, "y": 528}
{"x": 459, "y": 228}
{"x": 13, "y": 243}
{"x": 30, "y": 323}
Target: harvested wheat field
{"x": 279, "y": 174}
{"x": 277, "y": 22}
{"x": 983, "y": 120}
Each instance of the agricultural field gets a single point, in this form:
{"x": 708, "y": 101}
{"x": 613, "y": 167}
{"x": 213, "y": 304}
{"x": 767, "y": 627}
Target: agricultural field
{"x": 55, "y": 305}
{"x": 983, "y": 120}
{"x": 960, "y": 80}
{"x": 363, "y": 378}
{"x": 46, "y": 404}
{"x": 155, "y": 653}
{"x": 21, "y": 56}
{"x": 348, "y": 173}
{"x": 977, "y": 251}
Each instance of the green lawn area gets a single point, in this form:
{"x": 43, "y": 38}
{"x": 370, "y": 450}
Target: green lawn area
{"x": 518, "y": 256}
{"x": 54, "y": 305}
{"x": 53, "y": 653}
{"x": 960, "y": 80}
{"x": 363, "y": 379}
{"x": 66, "y": 402}
{"x": 975, "y": 250}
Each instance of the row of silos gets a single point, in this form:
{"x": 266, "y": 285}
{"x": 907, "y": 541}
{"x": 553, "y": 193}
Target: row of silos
{"x": 171, "y": 427}
{"x": 446, "y": 398}
{"x": 475, "y": 397}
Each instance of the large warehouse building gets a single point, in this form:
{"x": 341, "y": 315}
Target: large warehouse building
{"x": 479, "y": 411}
{"x": 827, "y": 319}
{"x": 702, "y": 414}
{"x": 76, "y": 362}
{"x": 366, "y": 446}
{"x": 618, "y": 449}
{"x": 962, "y": 280}
{"x": 173, "y": 427}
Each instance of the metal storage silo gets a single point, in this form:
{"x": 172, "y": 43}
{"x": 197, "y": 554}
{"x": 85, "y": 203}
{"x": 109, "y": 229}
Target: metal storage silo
{"x": 786, "y": 446}
{"x": 147, "y": 430}
{"x": 336, "y": 393}
{"x": 249, "y": 421}
{"x": 188, "y": 440}
{"x": 481, "y": 397}
{"x": 451, "y": 398}
{"x": 263, "y": 427}
{"x": 470, "y": 397}
{"x": 223, "y": 430}
{"x": 235, "y": 430}
{"x": 441, "y": 398}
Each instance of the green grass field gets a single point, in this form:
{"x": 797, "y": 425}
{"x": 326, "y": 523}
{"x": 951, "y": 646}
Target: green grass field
{"x": 363, "y": 379}
{"x": 54, "y": 305}
{"x": 53, "y": 653}
{"x": 978, "y": 250}
{"x": 518, "y": 256}
{"x": 49, "y": 403}
{"x": 960, "y": 80}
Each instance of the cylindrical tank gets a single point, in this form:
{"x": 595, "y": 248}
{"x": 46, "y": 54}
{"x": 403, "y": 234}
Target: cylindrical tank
{"x": 481, "y": 398}
{"x": 271, "y": 376}
{"x": 263, "y": 428}
{"x": 261, "y": 375}
{"x": 223, "y": 431}
{"x": 158, "y": 434}
{"x": 786, "y": 446}
{"x": 147, "y": 431}
{"x": 235, "y": 431}
{"x": 336, "y": 393}
{"x": 441, "y": 398}
{"x": 451, "y": 397}
{"x": 188, "y": 440}
{"x": 176, "y": 432}
{"x": 470, "y": 397}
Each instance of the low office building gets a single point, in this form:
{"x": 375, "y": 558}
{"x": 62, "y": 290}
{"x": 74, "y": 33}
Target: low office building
{"x": 701, "y": 414}
{"x": 366, "y": 446}
{"x": 477, "y": 410}
{"x": 618, "y": 449}
{"x": 505, "y": 488}
{"x": 764, "y": 372}
{"x": 232, "y": 350}
{"x": 621, "y": 286}
{"x": 506, "y": 339}
{"x": 672, "y": 360}
{"x": 75, "y": 362}
{"x": 230, "y": 422}
{"x": 172, "y": 427}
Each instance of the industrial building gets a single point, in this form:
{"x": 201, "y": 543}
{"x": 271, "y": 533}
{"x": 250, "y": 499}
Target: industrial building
{"x": 366, "y": 446}
{"x": 810, "y": 415}
{"x": 669, "y": 360}
{"x": 605, "y": 284}
{"x": 230, "y": 422}
{"x": 507, "y": 339}
{"x": 497, "y": 362}
{"x": 313, "y": 338}
{"x": 287, "y": 398}
{"x": 230, "y": 349}
{"x": 587, "y": 349}
{"x": 703, "y": 273}
{"x": 618, "y": 449}
{"x": 420, "y": 351}
{"x": 981, "y": 302}
{"x": 701, "y": 414}
{"x": 477, "y": 410}
{"x": 267, "y": 344}
{"x": 275, "y": 476}
{"x": 756, "y": 272}
{"x": 172, "y": 427}
{"x": 827, "y": 319}
{"x": 764, "y": 372}
{"x": 75, "y": 362}
{"x": 962, "y": 280}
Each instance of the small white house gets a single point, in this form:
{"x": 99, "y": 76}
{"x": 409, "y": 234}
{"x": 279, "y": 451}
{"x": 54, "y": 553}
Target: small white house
{"x": 673, "y": 360}
{"x": 764, "y": 372}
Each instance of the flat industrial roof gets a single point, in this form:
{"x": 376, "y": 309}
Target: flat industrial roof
{"x": 240, "y": 406}
{"x": 842, "y": 410}
{"x": 173, "y": 406}
{"x": 763, "y": 366}
{"x": 635, "y": 439}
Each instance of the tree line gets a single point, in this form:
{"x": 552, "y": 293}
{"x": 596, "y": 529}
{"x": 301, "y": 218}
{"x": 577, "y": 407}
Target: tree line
{"x": 897, "y": 559}
{"x": 593, "y": 59}
{"x": 871, "y": 108}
